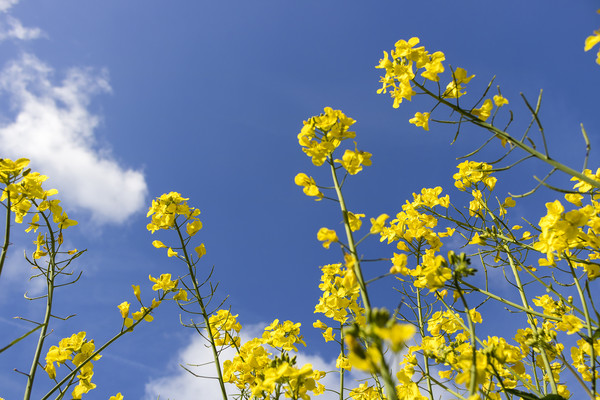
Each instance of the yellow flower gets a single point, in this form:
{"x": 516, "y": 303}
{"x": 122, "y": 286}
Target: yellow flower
{"x": 476, "y": 239}
{"x": 399, "y": 264}
{"x": 354, "y": 221}
{"x": 118, "y": 396}
{"x": 193, "y": 227}
{"x": 327, "y": 236}
{"x": 455, "y": 88}
{"x": 200, "y": 250}
{"x": 181, "y": 295}
{"x": 591, "y": 41}
{"x": 377, "y": 224}
{"x": 310, "y": 188}
{"x": 570, "y": 323}
{"x": 158, "y": 244}
{"x": 485, "y": 111}
{"x": 164, "y": 282}
{"x": 353, "y": 161}
{"x": 421, "y": 119}
{"x": 136, "y": 292}
{"x": 139, "y": 314}
{"x": 171, "y": 252}
{"x": 499, "y": 101}
{"x": 124, "y": 309}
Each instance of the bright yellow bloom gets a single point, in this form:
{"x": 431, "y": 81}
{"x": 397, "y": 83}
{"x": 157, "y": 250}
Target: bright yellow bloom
{"x": 399, "y": 262}
{"x": 574, "y": 198}
{"x": 484, "y": 112}
{"x": 136, "y": 292}
{"x": 472, "y": 172}
{"x": 200, "y": 250}
{"x": 182, "y": 295}
{"x": 499, "y": 100}
{"x": 421, "y": 119}
{"x": 118, "y": 396}
{"x": 310, "y": 188}
{"x": 124, "y": 309}
{"x": 163, "y": 283}
{"x": 455, "y": 88}
{"x": 570, "y": 323}
{"x": 353, "y": 161}
{"x": 193, "y": 227}
{"x": 166, "y": 208}
{"x": 322, "y": 134}
{"x": 139, "y": 314}
{"x": 158, "y": 244}
{"x": 476, "y": 239}
{"x": 378, "y": 223}
{"x": 591, "y": 41}
{"x": 584, "y": 187}
{"x": 327, "y": 236}
{"x": 434, "y": 66}
{"x": 354, "y": 221}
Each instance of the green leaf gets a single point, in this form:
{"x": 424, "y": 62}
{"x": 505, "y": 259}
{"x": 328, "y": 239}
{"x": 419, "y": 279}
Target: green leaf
{"x": 524, "y": 395}
{"x": 553, "y": 397}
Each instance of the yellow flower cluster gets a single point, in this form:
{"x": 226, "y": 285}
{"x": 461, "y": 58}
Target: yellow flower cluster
{"x": 562, "y": 234}
{"x": 582, "y": 354}
{"x": 24, "y": 188}
{"x": 76, "y": 349}
{"x": 399, "y": 70}
{"x": 413, "y": 229}
{"x": 224, "y": 328}
{"x": 253, "y": 368}
{"x": 164, "y": 212}
{"x": 340, "y": 293}
{"x": 322, "y": 134}
{"x": 165, "y": 209}
{"x": 399, "y": 79}
{"x": 470, "y": 173}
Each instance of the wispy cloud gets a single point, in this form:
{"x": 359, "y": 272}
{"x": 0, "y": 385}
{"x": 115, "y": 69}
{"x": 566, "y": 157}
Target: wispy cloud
{"x": 52, "y": 126}
{"x": 5, "y": 5}
{"x": 12, "y": 28}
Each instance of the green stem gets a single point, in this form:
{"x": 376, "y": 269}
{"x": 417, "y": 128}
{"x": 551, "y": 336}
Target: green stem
{"x": 422, "y": 333}
{"x": 589, "y": 329}
{"x": 48, "y": 313}
{"x": 205, "y": 315}
{"x": 473, "y": 377}
{"x": 543, "y": 353}
{"x": 510, "y": 303}
{"x": 350, "y": 238}
{"x": 503, "y": 135}
{"x": 342, "y": 353}
{"x": 6, "y": 232}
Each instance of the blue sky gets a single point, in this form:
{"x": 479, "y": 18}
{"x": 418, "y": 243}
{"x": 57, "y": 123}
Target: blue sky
{"x": 119, "y": 102}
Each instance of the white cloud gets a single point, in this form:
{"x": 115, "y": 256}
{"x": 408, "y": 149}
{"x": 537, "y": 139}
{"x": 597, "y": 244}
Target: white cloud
{"x": 54, "y": 128}
{"x": 6, "y": 4}
{"x": 12, "y": 28}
